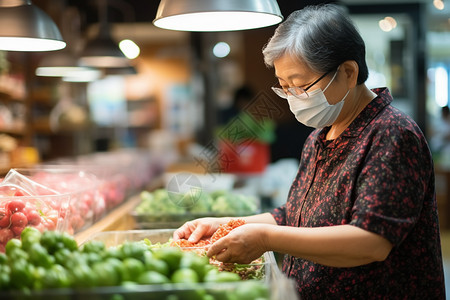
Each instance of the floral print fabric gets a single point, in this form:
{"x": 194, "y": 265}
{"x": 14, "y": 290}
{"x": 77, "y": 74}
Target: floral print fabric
{"x": 377, "y": 175}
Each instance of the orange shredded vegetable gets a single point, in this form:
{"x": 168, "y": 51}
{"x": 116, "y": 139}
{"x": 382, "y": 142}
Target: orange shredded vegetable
{"x": 222, "y": 231}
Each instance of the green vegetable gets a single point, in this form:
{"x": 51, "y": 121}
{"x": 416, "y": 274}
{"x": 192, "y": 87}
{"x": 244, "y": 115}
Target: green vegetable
{"x": 50, "y": 261}
{"x": 160, "y": 202}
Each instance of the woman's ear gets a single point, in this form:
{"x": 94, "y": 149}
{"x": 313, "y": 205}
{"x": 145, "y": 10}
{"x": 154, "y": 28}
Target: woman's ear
{"x": 351, "y": 70}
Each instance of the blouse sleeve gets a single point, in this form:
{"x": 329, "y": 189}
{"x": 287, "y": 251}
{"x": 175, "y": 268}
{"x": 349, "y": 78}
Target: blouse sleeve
{"x": 279, "y": 214}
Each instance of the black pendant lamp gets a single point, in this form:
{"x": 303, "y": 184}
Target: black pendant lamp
{"x": 103, "y": 51}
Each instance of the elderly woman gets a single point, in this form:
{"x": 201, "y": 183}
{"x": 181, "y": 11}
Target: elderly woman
{"x": 360, "y": 221}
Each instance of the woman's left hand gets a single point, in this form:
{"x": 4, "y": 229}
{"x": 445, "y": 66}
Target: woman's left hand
{"x": 242, "y": 245}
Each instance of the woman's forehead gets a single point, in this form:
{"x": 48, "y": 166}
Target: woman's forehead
{"x": 288, "y": 67}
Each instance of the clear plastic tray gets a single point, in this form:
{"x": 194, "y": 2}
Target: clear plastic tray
{"x": 61, "y": 200}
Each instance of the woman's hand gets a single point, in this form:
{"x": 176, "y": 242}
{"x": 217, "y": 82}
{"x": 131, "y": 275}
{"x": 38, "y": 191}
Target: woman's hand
{"x": 195, "y": 230}
{"x": 242, "y": 245}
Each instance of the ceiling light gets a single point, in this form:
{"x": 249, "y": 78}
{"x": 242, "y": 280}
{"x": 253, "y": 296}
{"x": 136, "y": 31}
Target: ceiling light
{"x": 439, "y": 4}
{"x": 25, "y": 27}
{"x": 63, "y": 64}
{"x": 103, "y": 51}
{"x": 387, "y": 24}
{"x": 221, "y": 49}
{"x": 217, "y": 15}
{"x": 129, "y": 48}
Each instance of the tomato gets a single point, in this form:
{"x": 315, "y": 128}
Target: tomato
{"x": 5, "y": 215}
{"x": 34, "y": 218}
{"x": 19, "y": 219}
{"x": 15, "y": 206}
{"x": 152, "y": 277}
{"x": 17, "y": 230}
{"x": 184, "y": 276}
{"x": 5, "y": 235}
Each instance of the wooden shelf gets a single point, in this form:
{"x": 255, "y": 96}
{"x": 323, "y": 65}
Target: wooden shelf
{"x": 118, "y": 219}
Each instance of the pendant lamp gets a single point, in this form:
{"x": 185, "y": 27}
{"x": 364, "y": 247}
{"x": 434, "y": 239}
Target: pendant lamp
{"x": 64, "y": 63}
{"x": 217, "y": 15}
{"x": 25, "y": 27}
{"x": 103, "y": 51}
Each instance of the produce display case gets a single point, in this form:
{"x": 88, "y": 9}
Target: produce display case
{"x": 280, "y": 287}
{"x": 277, "y": 286}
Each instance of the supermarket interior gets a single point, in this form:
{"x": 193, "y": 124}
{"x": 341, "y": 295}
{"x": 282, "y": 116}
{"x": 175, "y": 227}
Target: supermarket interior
{"x": 133, "y": 129}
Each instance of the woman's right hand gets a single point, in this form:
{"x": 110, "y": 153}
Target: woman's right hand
{"x": 195, "y": 230}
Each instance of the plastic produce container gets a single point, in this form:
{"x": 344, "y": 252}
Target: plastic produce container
{"x": 48, "y": 199}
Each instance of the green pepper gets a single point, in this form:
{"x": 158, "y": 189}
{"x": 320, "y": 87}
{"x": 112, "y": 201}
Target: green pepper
{"x": 30, "y": 236}
{"x": 93, "y": 246}
{"x": 5, "y": 272}
{"x": 106, "y": 274}
{"x": 153, "y": 264}
{"x": 152, "y": 277}
{"x": 21, "y": 275}
{"x": 132, "y": 268}
{"x": 171, "y": 255}
{"x": 82, "y": 276}
{"x": 185, "y": 276}
{"x": 56, "y": 277}
{"x": 195, "y": 262}
{"x": 39, "y": 256}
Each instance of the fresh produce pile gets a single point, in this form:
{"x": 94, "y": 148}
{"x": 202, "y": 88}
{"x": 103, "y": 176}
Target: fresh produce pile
{"x": 195, "y": 201}
{"x": 16, "y": 215}
{"x": 52, "y": 260}
{"x": 254, "y": 270}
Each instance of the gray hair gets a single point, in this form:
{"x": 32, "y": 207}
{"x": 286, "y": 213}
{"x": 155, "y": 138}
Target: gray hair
{"x": 322, "y": 36}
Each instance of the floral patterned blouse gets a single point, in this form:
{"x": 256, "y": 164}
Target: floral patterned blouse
{"x": 377, "y": 175}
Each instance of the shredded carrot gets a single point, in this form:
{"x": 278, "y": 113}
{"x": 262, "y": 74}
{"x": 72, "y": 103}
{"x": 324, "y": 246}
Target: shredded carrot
{"x": 222, "y": 231}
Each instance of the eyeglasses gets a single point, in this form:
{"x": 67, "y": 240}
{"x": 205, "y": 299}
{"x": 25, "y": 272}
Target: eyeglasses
{"x": 296, "y": 91}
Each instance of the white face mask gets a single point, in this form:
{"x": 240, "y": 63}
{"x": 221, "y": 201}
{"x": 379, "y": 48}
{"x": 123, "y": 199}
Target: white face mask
{"x": 315, "y": 111}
